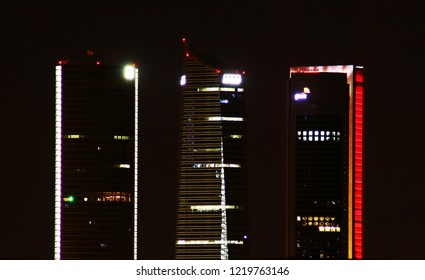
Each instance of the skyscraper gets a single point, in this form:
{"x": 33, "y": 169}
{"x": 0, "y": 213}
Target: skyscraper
{"x": 212, "y": 219}
{"x": 325, "y": 107}
{"x": 96, "y": 161}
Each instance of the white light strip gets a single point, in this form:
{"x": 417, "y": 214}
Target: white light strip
{"x": 234, "y": 119}
{"x": 208, "y": 242}
{"x": 136, "y": 157}
{"x": 207, "y": 150}
{"x": 58, "y": 163}
{"x": 216, "y": 165}
{"x": 212, "y": 208}
{"x": 300, "y": 96}
{"x": 212, "y": 89}
{"x": 224, "y": 249}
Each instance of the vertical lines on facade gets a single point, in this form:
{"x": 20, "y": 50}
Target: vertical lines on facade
{"x": 212, "y": 189}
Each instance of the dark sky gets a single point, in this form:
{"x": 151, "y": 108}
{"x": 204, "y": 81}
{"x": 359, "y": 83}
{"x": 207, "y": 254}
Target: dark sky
{"x": 264, "y": 38}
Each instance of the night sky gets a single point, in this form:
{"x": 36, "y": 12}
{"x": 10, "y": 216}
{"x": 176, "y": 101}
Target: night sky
{"x": 265, "y": 39}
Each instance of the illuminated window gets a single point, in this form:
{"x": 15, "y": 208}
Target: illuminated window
{"x": 116, "y": 197}
{"x": 216, "y": 165}
{"x": 302, "y": 95}
{"x": 232, "y": 119}
{"x": 209, "y": 89}
{"x": 121, "y": 137}
{"x": 316, "y": 135}
{"x": 73, "y": 136}
{"x": 227, "y": 89}
{"x": 212, "y": 89}
{"x": 329, "y": 229}
{"x": 207, "y": 150}
{"x": 232, "y": 79}
{"x": 208, "y": 242}
{"x": 211, "y": 208}
{"x": 121, "y": 165}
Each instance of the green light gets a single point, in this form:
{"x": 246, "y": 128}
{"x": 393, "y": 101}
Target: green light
{"x": 70, "y": 198}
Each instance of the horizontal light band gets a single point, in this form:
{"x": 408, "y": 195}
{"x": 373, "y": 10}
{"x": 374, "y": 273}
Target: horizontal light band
{"x": 232, "y": 119}
{"x": 208, "y": 242}
{"x": 212, "y": 208}
{"x": 216, "y": 165}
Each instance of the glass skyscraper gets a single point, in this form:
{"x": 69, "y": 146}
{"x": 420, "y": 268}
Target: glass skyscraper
{"x": 96, "y": 161}
{"x": 212, "y": 218}
{"x": 325, "y": 107}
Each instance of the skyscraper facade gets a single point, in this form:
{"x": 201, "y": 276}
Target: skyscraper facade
{"x": 325, "y": 128}
{"x": 96, "y": 163}
{"x": 212, "y": 219}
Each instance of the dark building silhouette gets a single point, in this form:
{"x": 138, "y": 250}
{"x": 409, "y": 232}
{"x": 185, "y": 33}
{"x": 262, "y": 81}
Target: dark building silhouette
{"x": 325, "y": 128}
{"x": 96, "y": 161}
{"x": 212, "y": 219}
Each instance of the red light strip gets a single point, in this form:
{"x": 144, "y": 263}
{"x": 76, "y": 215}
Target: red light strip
{"x": 358, "y": 167}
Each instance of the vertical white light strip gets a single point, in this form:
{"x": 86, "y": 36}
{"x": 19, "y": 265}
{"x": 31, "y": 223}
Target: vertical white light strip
{"x": 224, "y": 249}
{"x": 136, "y": 151}
{"x": 58, "y": 162}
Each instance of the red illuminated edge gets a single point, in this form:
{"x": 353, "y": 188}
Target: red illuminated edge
{"x": 358, "y": 166}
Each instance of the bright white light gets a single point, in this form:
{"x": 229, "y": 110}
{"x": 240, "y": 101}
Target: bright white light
{"x": 232, "y": 79}
{"x": 129, "y": 72}
{"x": 300, "y": 96}
{"x": 136, "y": 159}
{"x": 58, "y": 163}
{"x": 211, "y": 208}
{"x": 234, "y": 119}
{"x": 212, "y": 89}
{"x": 183, "y": 80}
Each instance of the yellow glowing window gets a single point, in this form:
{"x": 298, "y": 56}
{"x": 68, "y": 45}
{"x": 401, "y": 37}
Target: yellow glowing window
{"x": 74, "y": 136}
{"x": 121, "y": 137}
